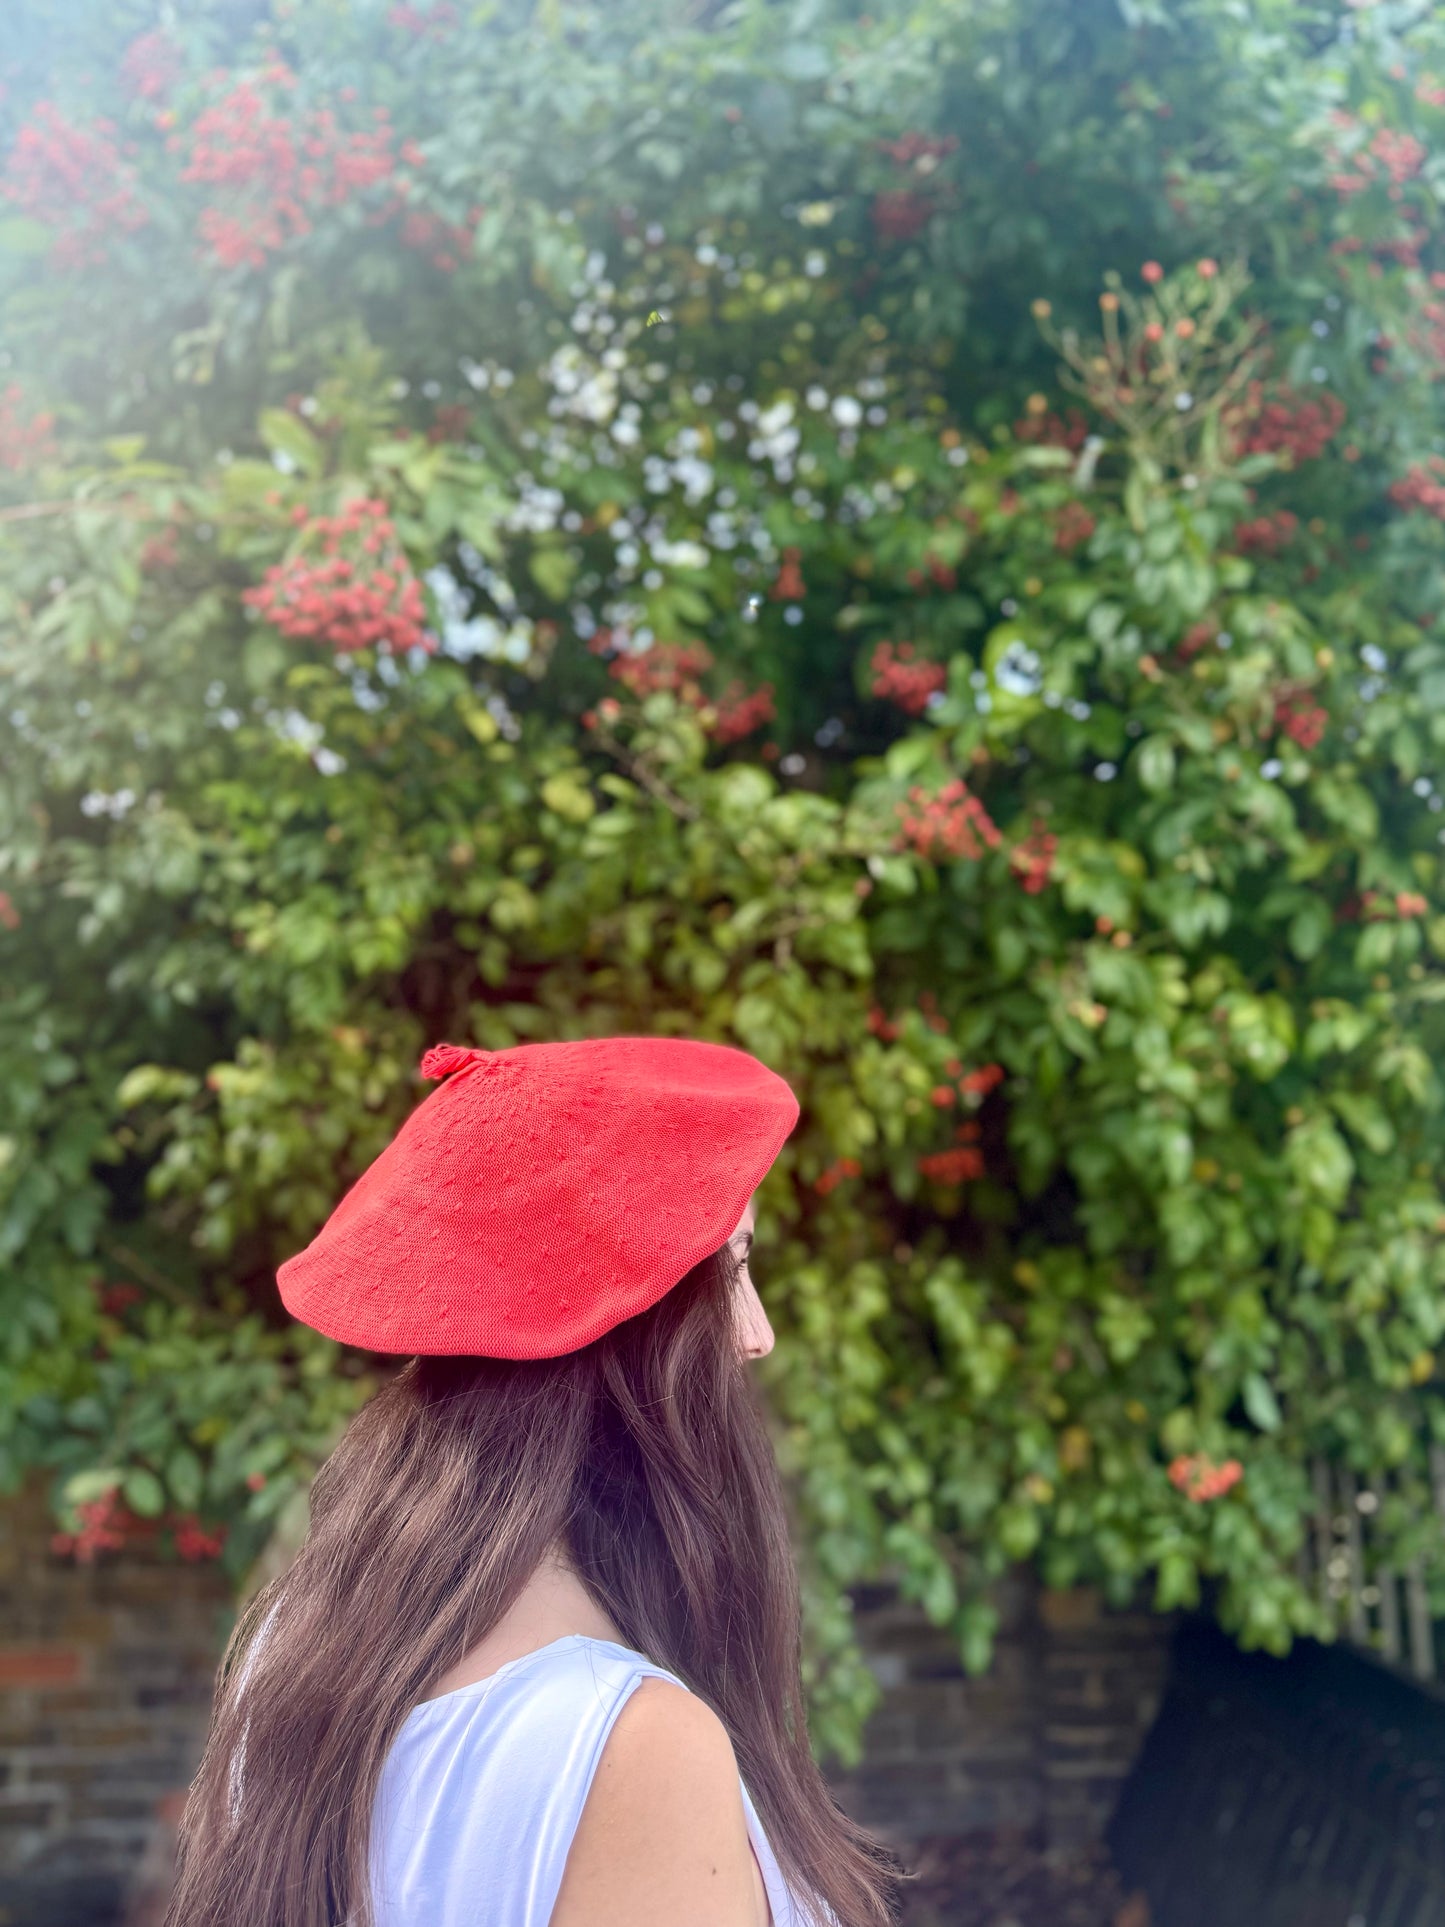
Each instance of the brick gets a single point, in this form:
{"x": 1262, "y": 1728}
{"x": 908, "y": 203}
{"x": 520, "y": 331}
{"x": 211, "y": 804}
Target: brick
{"x": 40, "y": 1665}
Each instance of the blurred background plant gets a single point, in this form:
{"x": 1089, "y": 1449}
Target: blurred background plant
{"x": 908, "y": 541}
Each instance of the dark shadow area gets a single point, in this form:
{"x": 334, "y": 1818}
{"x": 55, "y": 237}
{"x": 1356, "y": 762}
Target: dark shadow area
{"x": 1298, "y": 1792}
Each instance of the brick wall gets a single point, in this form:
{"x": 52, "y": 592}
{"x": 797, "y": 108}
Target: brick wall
{"x": 1036, "y": 1748}
{"x": 105, "y": 1686}
{"x": 106, "y": 1675}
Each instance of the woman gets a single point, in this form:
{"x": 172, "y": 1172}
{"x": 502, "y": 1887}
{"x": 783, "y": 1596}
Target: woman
{"x": 537, "y": 1662}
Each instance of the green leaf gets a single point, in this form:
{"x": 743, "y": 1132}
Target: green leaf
{"x": 1154, "y": 760}
{"x": 1260, "y": 1402}
{"x": 143, "y": 1493}
{"x": 287, "y": 435}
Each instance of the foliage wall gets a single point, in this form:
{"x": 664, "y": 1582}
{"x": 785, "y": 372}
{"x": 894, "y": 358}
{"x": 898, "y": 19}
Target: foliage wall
{"x": 908, "y": 540}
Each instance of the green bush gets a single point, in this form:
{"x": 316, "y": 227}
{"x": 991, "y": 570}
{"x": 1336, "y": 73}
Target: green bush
{"x": 909, "y": 542}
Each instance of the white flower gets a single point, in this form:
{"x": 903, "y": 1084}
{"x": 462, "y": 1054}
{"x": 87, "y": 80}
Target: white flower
{"x": 847, "y": 411}
{"x": 682, "y": 554}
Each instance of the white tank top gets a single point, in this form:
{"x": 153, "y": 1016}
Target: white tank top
{"x": 482, "y": 1789}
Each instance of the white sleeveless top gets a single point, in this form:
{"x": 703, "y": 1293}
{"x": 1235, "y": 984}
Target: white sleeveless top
{"x": 483, "y": 1787}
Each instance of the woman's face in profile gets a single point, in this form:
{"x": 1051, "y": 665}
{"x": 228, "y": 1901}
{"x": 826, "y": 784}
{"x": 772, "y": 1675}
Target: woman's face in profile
{"x": 756, "y": 1332}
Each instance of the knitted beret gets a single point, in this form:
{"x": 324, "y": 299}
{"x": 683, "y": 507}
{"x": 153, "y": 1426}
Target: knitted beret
{"x": 541, "y": 1195}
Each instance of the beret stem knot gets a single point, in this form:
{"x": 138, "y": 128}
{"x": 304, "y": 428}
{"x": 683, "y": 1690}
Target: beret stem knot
{"x": 442, "y": 1059}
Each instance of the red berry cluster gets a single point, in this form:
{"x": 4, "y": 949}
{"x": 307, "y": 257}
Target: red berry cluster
{"x": 161, "y": 552}
{"x": 1267, "y": 534}
{"x": 954, "y": 1166}
{"x": 150, "y": 66}
{"x": 901, "y": 676}
{"x": 740, "y": 711}
{"x": 790, "y": 586}
{"x": 116, "y": 1299}
{"x": 909, "y": 149}
{"x": 1303, "y": 721}
{"x": 447, "y": 243}
{"x": 1052, "y": 430}
{"x": 1073, "y": 525}
{"x": 193, "y": 1543}
{"x": 901, "y": 214}
{"x": 980, "y": 1082}
{"x": 1195, "y": 638}
{"x": 346, "y": 600}
{"x": 25, "y": 439}
{"x": 1301, "y": 427}
{"x": 105, "y": 1525}
{"x": 950, "y": 823}
{"x": 938, "y": 573}
{"x": 453, "y": 423}
{"x": 1409, "y": 903}
{"x": 1200, "y": 1479}
{"x": 880, "y": 1025}
{"x": 830, "y": 1179}
{"x": 676, "y": 667}
{"x": 277, "y": 170}
{"x": 74, "y": 180}
{"x": 434, "y": 22}
{"x": 1391, "y": 156}
{"x": 1033, "y": 859}
{"x": 1422, "y": 488}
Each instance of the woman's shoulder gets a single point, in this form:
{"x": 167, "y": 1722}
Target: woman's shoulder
{"x": 663, "y": 1835}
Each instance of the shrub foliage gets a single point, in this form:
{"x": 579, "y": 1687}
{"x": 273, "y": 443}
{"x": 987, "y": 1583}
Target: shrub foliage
{"x": 906, "y": 540}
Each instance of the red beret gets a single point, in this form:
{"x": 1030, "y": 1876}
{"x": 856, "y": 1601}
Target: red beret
{"x": 541, "y": 1195}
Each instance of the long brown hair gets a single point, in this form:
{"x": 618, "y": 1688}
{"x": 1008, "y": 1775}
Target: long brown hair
{"x": 646, "y": 1455}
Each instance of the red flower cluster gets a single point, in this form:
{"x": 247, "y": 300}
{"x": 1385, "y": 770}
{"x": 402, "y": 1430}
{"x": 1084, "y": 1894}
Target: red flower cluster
{"x": 1422, "y": 488}
{"x": 150, "y": 66}
{"x": 1267, "y": 534}
{"x": 740, "y": 712}
{"x": 900, "y": 215}
{"x": 347, "y": 601}
{"x": 1409, "y": 903}
{"x": 1073, "y": 525}
{"x": 23, "y": 442}
{"x": 1033, "y": 859}
{"x": 9, "y": 915}
{"x": 830, "y": 1179}
{"x": 909, "y": 149}
{"x": 105, "y": 1525}
{"x": 277, "y": 171}
{"x": 73, "y": 179}
{"x": 1301, "y": 720}
{"x": 900, "y": 676}
{"x": 672, "y": 666}
{"x": 954, "y": 1166}
{"x": 949, "y": 824}
{"x": 1288, "y": 424}
{"x": 193, "y": 1543}
{"x": 1200, "y": 1479}
{"x": 790, "y": 586}
{"x": 1051, "y": 430}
